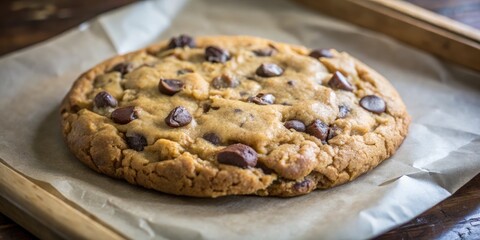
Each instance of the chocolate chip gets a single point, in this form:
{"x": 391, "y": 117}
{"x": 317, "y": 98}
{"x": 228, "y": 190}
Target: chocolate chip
{"x": 184, "y": 71}
{"x": 339, "y": 81}
{"x": 318, "y": 129}
{"x": 343, "y": 111}
{"x": 170, "y": 86}
{"x": 104, "y": 99}
{"x": 303, "y": 186}
{"x": 124, "y": 115}
{"x": 291, "y": 83}
{"x": 373, "y": 103}
{"x": 224, "y": 81}
{"x": 296, "y": 125}
{"x": 212, "y": 138}
{"x": 123, "y": 68}
{"x": 269, "y": 70}
{"x": 216, "y": 54}
{"x": 262, "y": 99}
{"x": 239, "y": 155}
{"x": 181, "y": 41}
{"x": 206, "y": 107}
{"x": 136, "y": 142}
{"x": 264, "y": 52}
{"x": 319, "y": 53}
{"x": 178, "y": 117}
{"x": 237, "y": 110}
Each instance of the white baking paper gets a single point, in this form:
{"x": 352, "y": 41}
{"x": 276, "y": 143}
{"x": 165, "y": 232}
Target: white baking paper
{"x": 440, "y": 154}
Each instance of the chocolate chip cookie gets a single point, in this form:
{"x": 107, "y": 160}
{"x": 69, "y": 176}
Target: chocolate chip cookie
{"x": 233, "y": 115}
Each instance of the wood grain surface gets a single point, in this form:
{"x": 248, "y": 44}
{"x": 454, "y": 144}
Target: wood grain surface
{"x": 26, "y": 22}
{"x": 47, "y": 214}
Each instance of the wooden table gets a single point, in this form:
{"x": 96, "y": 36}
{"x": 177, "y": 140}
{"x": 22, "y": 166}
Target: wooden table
{"x": 25, "y": 22}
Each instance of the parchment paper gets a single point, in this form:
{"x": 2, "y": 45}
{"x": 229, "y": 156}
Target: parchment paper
{"x": 441, "y": 153}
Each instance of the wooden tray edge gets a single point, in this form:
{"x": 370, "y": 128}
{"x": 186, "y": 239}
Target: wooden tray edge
{"x": 408, "y": 24}
{"x": 44, "y": 214}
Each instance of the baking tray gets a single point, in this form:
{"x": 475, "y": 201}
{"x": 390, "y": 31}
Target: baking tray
{"x": 446, "y": 38}
{"x": 40, "y": 209}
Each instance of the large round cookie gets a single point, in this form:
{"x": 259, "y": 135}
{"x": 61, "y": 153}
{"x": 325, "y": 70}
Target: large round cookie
{"x": 230, "y": 115}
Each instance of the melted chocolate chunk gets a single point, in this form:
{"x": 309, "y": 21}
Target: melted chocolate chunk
{"x": 104, "y": 99}
{"x": 178, "y": 117}
{"x": 303, "y": 186}
{"x": 264, "y": 52}
{"x": 124, "y": 115}
{"x": 318, "y": 129}
{"x": 296, "y": 125}
{"x": 269, "y": 70}
{"x": 262, "y": 99}
{"x": 343, "y": 111}
{"x": 339, "y": 81}
{"x": 212, "y": 138}
{"x": 136, "y": 142}
{"x": 122, "y": 68}
{"x": 239, "y": 155}
{"x": 181, "y": 41}
{"x": 216, "y": 54}
{"x": 319, "y": 53}
{"x": 170, "y": 86}
{"x": 224, "y": 81}
{"x": 206, "y": 107}
{"x": 373, "y": 103}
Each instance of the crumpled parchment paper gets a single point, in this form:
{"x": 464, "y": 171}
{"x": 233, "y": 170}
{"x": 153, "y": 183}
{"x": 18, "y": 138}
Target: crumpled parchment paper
{"x": 440, "y": 154}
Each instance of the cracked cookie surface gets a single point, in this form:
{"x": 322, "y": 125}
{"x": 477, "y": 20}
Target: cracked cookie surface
{"x": 233, "y": 115}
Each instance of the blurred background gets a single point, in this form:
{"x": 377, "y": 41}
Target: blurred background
{"x": 25, "y": 22}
